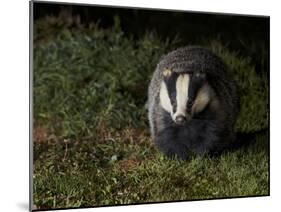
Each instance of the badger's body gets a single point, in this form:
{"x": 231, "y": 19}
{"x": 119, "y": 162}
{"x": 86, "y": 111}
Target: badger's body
{"x": 192, "y": 103}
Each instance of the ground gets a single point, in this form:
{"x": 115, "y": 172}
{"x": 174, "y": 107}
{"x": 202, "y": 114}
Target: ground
{"x": 124, "y": 167}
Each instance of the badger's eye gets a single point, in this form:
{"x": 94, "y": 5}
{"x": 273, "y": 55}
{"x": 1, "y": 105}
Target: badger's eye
{"x": 189, "y": 103}
{"x": 189, "y": 106}
{"x": 174, "y": 108}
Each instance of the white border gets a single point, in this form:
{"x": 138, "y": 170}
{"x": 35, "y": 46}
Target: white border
{"x": 240, "y": 7}
{"x": 14, "y": 116}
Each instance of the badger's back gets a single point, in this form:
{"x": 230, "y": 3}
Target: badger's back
{"x": 165, "y": 132}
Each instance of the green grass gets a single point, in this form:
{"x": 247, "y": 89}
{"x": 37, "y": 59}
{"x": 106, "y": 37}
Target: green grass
{"x": 124, "y": 167}
{"x": 91, "y": 137}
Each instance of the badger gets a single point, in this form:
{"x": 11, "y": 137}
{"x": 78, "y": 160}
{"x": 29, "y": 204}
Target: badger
{"x": 192, "y": 103}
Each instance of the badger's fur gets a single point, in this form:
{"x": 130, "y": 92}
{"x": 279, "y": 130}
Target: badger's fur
{"x": 192, "y": 103}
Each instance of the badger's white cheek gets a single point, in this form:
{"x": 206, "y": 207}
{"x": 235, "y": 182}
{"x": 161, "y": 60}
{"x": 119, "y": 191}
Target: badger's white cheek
{"x": 202, "y": 99}
{"x": 164, "y": 98}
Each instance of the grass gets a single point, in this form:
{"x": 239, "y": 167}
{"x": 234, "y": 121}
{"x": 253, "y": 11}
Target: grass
{"x": 91, "y": 138}
{"x": 124, "y": 167}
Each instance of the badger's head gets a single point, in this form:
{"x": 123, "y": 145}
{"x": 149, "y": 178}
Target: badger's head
{"x": 183, "y": 95}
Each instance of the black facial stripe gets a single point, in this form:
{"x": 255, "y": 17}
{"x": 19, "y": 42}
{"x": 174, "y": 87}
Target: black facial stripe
{"x": 171, "y": 87}
{"x": 195, "y": 84}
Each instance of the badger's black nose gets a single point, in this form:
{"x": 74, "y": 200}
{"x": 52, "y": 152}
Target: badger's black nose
{"x": 180, "y": 119}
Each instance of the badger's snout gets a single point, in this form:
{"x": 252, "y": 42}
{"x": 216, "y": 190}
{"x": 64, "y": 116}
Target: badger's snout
{"x": 180, "y": 119}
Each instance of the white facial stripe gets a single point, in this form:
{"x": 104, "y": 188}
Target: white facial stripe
{"x": 164, "y": 98}
{"x": 182, "y": 85}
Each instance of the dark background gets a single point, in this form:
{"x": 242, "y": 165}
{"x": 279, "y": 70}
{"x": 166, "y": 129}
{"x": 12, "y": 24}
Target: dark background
{"x": 247, "y": 35}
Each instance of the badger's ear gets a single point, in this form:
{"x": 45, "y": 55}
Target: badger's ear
{"x": 167, "y": 72}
